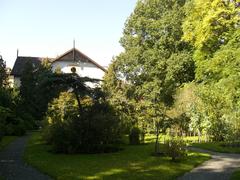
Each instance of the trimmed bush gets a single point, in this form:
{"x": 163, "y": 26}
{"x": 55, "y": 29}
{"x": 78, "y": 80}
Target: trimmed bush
{"x": 134, "y": 136}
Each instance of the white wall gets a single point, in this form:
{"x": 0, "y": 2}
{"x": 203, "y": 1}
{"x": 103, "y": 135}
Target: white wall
{"x": 82, "y": 69}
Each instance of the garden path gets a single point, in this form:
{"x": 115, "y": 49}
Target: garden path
{"x": 12, "y": 167}
{"x": 220, "y": 167}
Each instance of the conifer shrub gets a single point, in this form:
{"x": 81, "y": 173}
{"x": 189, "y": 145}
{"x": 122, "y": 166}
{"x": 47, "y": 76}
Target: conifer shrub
{"x": 134, "y": 136}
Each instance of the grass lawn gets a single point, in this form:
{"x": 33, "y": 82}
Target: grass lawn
{"x": 134, "y": 162}
{"x": 6, "y": 140}
{"x": 187, "y": 139}
{"x": 236, "y": 175}
{"x": 216, "y": 146}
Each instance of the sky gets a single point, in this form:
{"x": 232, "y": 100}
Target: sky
{"x": 46, "y": 28}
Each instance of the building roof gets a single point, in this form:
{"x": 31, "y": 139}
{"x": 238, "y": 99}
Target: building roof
{"x": 76, "y": 55}
{"x": 21, "y": 61}
{"x": 71, "y": 55}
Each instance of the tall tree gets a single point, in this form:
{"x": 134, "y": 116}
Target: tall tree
{"x": 34, "y": 96}
{"x": 209, "y": 24}
{"x": 156, "y": 61}
{"x": 212, "y": 27}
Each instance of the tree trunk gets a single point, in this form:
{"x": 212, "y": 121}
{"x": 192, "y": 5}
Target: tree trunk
{"x": 78, "y": 101}
{"x": 157, "y": 140}
{"x": 199, "y": 135}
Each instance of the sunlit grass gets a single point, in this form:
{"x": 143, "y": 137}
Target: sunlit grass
{"x": 6, "y": 140}
{"x": 217, "y": 147}
{"x": 134, "y": 162}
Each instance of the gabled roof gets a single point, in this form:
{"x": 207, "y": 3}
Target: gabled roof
{"x": 71, "y": 55}
{"x": 76, "y": 55}
{"x": 21, "y": 62}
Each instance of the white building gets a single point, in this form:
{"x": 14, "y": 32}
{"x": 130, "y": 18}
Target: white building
{"x": 72, "y": 60}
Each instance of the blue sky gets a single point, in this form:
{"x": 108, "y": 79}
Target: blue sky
{"x": 46, "y": 28}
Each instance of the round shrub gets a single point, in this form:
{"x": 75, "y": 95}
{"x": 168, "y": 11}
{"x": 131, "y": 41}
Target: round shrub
{"x": 176, "y": 148}
{"x": 134, "y": 136}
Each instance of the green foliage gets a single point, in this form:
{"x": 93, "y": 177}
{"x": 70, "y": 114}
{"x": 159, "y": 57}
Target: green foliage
{"x": 212, "y": 27}
{"x": 3, "y": 73}
{"x": 117, "y": 95}
{"x": 181, "y": 124}
{"x": 155, "y": 61}
{"x": 134, "y": 136}
{"x": 6, "y": 140}
{"x": 10, "y": 124}
{"x": 1, "y": 130}
{"x": 34, "y": 96}
{"x": 95, "y": 128}
{"x": 210, "y": 23}
{"x": 176, "y": 148}
{"x": 6, "y": 99}
{"x": 142, "y": 81}
{"x": 220, "y": 90}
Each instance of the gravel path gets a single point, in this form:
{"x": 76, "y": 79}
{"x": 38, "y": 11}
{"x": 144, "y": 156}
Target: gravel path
{"x": 220, "y": 167}
{"x": 12, "y": 166}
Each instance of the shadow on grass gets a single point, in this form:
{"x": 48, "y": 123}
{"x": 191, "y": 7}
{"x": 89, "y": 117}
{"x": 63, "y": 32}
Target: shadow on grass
{"x": 236, "y": 175}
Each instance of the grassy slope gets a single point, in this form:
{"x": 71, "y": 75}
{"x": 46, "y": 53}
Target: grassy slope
{"x": 134, "y": 162}
{"x": 216, "y": 146}
{"x": 6, "y": 140}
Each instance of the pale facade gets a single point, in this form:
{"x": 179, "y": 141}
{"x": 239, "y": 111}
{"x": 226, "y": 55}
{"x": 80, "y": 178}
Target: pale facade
{"x": 84, "y": 66}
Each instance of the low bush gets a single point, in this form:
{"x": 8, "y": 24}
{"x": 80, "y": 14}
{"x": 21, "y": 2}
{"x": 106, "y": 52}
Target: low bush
{"x": 134, "y": 136}
{"x": 175, "y": 148}
{"x": 221, "y": 130}
{"x": 10, "y": 124}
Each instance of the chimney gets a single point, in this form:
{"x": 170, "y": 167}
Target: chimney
{"x": 73, "y": 49}
{"x": 17, "y": 53}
